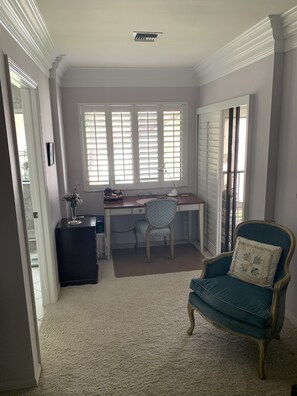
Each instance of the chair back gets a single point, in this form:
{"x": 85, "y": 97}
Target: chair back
{"x": 160, "y": 212}
{"x": 272, "y": 234}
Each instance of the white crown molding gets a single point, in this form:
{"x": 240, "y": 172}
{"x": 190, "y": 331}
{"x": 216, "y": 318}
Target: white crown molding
{"x": 25, "y": 24}
{"x": 129, "y": 77}
{"x": 58, "y": 68}
{"x": 289, "y": 25}
{"x": 276, "y": 33}
{"x": 262, "y": 40}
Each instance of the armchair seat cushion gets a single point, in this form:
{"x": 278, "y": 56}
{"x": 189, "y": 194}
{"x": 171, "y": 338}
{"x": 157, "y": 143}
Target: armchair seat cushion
{"x": 238, "y": 299}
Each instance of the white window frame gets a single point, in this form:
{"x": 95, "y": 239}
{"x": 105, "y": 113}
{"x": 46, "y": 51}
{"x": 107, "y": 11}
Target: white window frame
{"x": 137, "y": 185}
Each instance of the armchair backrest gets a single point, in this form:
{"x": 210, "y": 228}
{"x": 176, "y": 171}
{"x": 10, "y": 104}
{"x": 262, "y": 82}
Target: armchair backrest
{"x": 160, "y": 212}
{"x": 272, "y": 234}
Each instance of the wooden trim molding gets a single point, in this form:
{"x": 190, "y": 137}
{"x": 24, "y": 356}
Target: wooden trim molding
{"x": 260, "y": 41}
{"x": 25, "y": 24}
{"x": 289, "y": 26}
{"x": 276, "y": 33}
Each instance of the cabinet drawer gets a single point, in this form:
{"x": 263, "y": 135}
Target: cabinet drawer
{"x": 122, "y": 211}
{"x": 184, "y": 208}
{"x": 138, "y": 210}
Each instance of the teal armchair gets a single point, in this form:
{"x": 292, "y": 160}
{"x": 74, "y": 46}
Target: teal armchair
{"x": 241, "y": 302}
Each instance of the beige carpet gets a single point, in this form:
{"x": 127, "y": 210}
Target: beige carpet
{"x": 127, "y": 337}
{"x": 133, "y": 262}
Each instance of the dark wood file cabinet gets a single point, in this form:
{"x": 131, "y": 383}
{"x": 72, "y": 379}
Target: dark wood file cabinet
{"x": 77, "y": 252}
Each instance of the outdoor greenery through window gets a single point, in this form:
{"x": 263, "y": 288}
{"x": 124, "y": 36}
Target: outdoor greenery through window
{"x": 127, "y": 146}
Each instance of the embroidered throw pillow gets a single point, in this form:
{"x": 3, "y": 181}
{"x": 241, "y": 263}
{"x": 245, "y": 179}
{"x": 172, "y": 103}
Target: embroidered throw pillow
{"x": 255, "y": 262}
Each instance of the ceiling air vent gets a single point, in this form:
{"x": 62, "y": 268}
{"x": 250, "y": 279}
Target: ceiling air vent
{"x": 147, "y": 37}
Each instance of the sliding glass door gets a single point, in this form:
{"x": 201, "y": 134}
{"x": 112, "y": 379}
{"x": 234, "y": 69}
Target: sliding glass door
{"x": 222, "y": 130}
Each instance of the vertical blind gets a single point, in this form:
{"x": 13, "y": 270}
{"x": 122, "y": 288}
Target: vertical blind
{"x": 127, "y": 145}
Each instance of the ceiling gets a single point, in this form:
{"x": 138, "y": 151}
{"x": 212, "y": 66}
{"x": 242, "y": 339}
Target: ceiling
{"x": 98, "y": 33}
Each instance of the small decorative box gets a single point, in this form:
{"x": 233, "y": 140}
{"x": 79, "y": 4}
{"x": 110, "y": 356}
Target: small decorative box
{"x": 112, "y": 195}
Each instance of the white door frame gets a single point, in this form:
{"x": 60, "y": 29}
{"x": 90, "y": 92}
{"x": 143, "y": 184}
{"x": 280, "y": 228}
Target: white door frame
{"x": 40, "y": 202}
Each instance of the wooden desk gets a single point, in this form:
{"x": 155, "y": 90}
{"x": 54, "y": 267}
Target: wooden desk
{"x": 135, "y": 205}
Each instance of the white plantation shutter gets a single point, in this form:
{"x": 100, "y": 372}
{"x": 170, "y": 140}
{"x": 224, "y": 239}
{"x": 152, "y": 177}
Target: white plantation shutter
{"x": 148, "y": 145}
{"x": 95, "y": 143}
{"x": 208, "y": 175}
{"x": 126, "y": 145}
{"x": 173, "y": 143}
{"x": 122, "y": 147}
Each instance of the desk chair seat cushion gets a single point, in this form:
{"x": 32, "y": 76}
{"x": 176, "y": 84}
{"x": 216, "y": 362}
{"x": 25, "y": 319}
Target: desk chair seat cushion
{"x": 237, "y": 299}
{"x": 142, "y": 225}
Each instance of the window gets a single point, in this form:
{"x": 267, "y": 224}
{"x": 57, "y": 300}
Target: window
{"x": 126, "y": 146}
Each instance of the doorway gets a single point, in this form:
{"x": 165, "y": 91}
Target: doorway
{"x": 21, "y": 108}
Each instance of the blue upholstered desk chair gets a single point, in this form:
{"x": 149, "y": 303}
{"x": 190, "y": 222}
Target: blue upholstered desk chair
{"x": 243, "y": 308}
{"x": 159, "y": 214}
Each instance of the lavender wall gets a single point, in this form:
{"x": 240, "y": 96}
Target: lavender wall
{"x": 93, "y": 201}
{"x": 286, "y": 198}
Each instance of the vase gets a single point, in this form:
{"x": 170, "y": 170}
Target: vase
{"x": 73, "y": 220}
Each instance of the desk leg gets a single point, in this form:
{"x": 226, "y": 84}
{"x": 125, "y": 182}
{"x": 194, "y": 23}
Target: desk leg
{"x": 189, "y": 225}
{"x": 201, "y": 227}
{"x": 107, "y": 231}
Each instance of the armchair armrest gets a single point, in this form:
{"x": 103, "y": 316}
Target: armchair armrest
{"x": 278, "y": 303}
{"x": 217, "y": 266}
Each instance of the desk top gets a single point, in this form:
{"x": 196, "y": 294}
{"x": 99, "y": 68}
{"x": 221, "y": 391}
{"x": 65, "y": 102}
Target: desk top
{"x": 138, "y": 201}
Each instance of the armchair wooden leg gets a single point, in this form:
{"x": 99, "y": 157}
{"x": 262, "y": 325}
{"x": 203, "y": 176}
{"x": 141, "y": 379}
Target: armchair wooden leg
{"x": 263, "y": 345}
{"x": 192, "y": 319}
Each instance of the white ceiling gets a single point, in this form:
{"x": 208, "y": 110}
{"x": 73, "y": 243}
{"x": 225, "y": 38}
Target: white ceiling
{"x": 98, "y": 33}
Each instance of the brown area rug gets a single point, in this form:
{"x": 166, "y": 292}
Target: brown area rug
{"x": 133, "y": 262}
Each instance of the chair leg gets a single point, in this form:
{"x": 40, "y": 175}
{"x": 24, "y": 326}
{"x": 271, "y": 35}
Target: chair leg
{"x": 192, "y": 319}
{"x": 136, "y": 237}
{"x": 171, "y": 242}
{"x": 263, "y": 345}
{"x": 148, "y": 246}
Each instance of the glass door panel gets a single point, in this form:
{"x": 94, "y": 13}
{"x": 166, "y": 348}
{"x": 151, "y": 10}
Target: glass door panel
{"x": 233, "y": 176}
